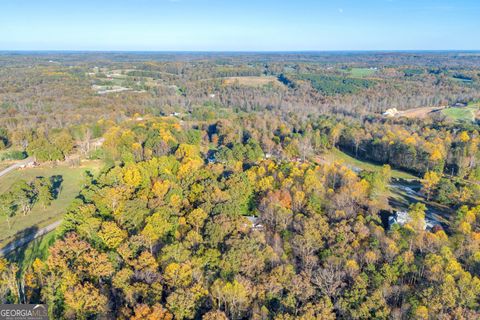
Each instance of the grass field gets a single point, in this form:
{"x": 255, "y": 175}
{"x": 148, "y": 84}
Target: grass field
{"x": 38, "y": 248}
{"x": 251, "y": 81}
{"x": 4, "y": 165}
{"x": 465, "y": 114}
{"x": 40, "y": 217}
{"x": 361, "y": 72}
{"x": 337, "y": 155}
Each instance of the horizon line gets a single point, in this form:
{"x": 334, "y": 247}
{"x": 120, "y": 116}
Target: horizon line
{"x": 233, "y": 51}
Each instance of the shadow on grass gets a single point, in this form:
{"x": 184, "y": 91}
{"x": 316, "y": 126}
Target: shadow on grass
{"x": 15, "y": 249}
{"x": 401, "y": 200}
{"x": 25, "y": 255}
{"x": 56, "y": 182}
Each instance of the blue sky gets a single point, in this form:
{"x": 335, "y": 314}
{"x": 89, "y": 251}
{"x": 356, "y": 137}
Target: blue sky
{"x": 240, "y": 25}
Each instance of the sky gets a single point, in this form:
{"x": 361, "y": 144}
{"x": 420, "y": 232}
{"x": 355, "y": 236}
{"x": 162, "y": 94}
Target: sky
{"x": 239, "y": 25}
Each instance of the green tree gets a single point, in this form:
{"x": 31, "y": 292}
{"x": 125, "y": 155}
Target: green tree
{"x": 43, "y": 188}
{"x": 159, "y": 225}
{"x": 233, "y": 296}
{"x": 446, "y": 191}
{"x": 24, "y": 196}
{"x": 7, "y": 207}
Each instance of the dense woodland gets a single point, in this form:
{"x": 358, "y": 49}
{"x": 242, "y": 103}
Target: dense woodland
{"x": 55, "y": 90}
{"x": 215, "y": 201}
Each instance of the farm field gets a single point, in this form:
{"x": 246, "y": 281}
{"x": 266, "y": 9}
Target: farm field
{"x": 361, "y": 72}
{"x": 251, "y": 81}
{"x": 468, "y": 113}
{"x": 465, "y": 114}
{"x": 40, "y": 217}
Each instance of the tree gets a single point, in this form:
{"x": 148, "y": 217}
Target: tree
{"x": 9, "y": 287}
{"x": 184, "y": 302}
{"x": 417, "y": 216}
{"x": 7, "y": 207}
{"x": 335, "y": 133}
{"x": 158, "y": 227}
{"x": 4, "y": 141}
{"x": 44, "y": 150}
{"x": 24, "y": 196}
{"x": 233, "y": 296}
{"x": 429, "y": 182}
{"x": 197, "y": 218}
{"x": 63, "y": 141}
{"x": 132, "y": 176}
{"x": 421, "y": 313}
{"x": 111, "y": 234}
{"x": 329, "y": 278}
{"x": 85, "y": 300}
{"x": 156, "y": 312}
{"x": 215, "y": 315}
{"x": 446, "y": 191}
{"x": 169, "y": 237}
{"x": 463, "y": 137}
{"x": 178, "y": 275}
{"x": 305, "y": 147}
{"x": 43, "y": 188}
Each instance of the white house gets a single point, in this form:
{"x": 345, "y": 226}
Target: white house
{"x": 392, "y": 112}
{"x": 254, "y": 224}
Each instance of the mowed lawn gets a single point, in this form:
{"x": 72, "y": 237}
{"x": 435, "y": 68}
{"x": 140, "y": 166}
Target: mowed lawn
{"x": 38, "y": 248}
{"x": 39, "y": 217}
{"x": 462, "y": 113}
{"x": 339, "y": 156}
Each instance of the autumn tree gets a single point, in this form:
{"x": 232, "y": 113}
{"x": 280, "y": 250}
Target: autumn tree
{"x": 429, "y": 182}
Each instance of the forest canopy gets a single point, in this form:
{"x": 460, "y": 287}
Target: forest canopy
{"x": 246, "y": 186}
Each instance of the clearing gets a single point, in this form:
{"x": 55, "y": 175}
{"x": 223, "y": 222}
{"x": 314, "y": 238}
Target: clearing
{"x": 40, "y": 217}
{"x": 357, "y": 165}
{"x": 362, "y": 72}
{"x": 38, "y": 248}
{"x": 251, "y": 81}
{"x": 404, "y": 189}
{"x": 419, "y": 113}
{"x": 466, "y": 114}
{"x": 404, "y": 193}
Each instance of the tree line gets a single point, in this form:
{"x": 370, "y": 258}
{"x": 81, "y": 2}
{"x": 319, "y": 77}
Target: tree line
{"x": 161, "y": 233}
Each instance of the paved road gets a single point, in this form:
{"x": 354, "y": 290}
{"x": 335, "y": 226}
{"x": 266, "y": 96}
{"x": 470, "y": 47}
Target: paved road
{"x": 28, "y": 238}
{"x": 16, "y": 166}
{"x": 23, "y": 241}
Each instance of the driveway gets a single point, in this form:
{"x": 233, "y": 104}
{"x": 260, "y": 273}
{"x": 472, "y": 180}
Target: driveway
{"x": 17, "y": 165}
{"x": 28, "y": 238}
